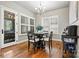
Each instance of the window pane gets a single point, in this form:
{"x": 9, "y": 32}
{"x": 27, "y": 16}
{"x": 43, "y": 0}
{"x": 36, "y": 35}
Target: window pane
{"x": 32, "y": 28}
{"x": 8, "y": 25}
{"x": 24, "y": 20}
{"x": 31, "y": 21}
{"x": 24, "y": 29}
{"x": 54, "y": 20}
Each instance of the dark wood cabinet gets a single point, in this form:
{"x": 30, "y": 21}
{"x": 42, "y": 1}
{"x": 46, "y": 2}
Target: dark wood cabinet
{"x": 69, "y": 46}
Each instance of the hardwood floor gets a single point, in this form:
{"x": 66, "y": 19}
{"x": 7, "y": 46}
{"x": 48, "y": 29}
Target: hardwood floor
{"x": 21, "y": 51}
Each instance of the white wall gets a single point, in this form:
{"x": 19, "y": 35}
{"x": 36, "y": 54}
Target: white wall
{"x": 18, "y": 8}
{"x": 38, "y": 20}
{"x": 72, "y": 12}
{"x": 63, "y": 14}
{"x": 73, "y": 18}
{"x": 63, "y": 17}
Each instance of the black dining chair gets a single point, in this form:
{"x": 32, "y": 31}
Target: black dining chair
{"x": 50, "y": 40}
{"x": 50, "y": 43}
{"x": 31, "y": 40}
{"x": 40, "y": 42}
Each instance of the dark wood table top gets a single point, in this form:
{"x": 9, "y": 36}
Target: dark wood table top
{"x": 39, "y": 35}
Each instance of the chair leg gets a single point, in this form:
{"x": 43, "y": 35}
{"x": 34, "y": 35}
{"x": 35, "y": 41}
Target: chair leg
{"x": 50, "y": 48}
{"x": 34, "y": 47}
{"x": 28, "y": 45}
{"x": 51, "y": 43}
{"x": 49, "y": 51}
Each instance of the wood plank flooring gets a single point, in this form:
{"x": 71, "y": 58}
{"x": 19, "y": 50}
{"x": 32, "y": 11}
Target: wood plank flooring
{"x": 21, "y": 51}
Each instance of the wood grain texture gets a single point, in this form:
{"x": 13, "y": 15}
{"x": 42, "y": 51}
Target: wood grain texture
{"x": 21, "y": 51}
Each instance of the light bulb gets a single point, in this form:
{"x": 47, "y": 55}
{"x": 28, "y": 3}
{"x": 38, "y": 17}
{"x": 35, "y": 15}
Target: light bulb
{"x": 35, "y": 8}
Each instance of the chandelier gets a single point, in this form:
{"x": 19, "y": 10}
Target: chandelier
{"x": 41, "y": 9}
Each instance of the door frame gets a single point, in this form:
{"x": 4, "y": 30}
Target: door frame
{"x": 2, "y": 27}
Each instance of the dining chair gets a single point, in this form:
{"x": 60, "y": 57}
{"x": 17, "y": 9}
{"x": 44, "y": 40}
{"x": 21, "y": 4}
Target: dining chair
{"x": 40, "y": 42}
{"x": 50, "y": 40}
{"x": 50, "y": 43}
{"x": 31, "y": 40}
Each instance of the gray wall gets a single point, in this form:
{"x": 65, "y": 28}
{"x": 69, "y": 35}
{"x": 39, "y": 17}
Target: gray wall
{"x": 18, "y": 8}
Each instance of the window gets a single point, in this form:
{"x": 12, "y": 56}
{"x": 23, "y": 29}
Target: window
{"x": 27, "y": 24}
{"x": 24, "y": 29}
{"x": 24, "y": 25}
{"x": 31, "y": 21}
{"x": 32, "y": 28}
{"x": 24, "y": 20}
{"x": 8, "y": 25}
{"x": 51, "y": 24}
{"x": 31, "y": 24}
{"x": 54, "y": 24}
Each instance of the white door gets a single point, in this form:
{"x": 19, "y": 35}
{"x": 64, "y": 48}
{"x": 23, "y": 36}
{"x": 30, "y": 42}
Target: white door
{"x": 9, "y": 27}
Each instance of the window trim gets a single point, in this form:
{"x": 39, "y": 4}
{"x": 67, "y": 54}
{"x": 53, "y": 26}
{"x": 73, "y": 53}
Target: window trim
{"x": 25, "y": 24}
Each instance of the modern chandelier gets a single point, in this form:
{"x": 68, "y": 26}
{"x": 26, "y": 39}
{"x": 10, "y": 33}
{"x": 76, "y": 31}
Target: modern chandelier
{"x": 41, "y": 9}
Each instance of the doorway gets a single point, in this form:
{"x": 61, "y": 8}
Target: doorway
{"x": 9, "y": 27}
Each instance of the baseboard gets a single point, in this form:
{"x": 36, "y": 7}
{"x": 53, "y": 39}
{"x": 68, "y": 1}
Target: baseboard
{"x": 13, "y": 43}
{"x": 8, "y": 44}
{"x": 56, "y": 39}
{"x": 21, "y": 41}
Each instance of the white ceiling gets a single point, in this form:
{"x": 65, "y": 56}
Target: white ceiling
{"x": 50, "y": 5}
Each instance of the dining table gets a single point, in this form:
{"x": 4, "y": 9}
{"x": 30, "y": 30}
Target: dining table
{"x": 39, "y": 35}
{"x": 41, "y": 42}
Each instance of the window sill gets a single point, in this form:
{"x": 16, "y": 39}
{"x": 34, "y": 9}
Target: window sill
{"x": 22, "y": 34}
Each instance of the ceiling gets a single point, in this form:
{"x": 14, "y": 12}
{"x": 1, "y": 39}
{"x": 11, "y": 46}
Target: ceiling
{"x": 50, "y": 5}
